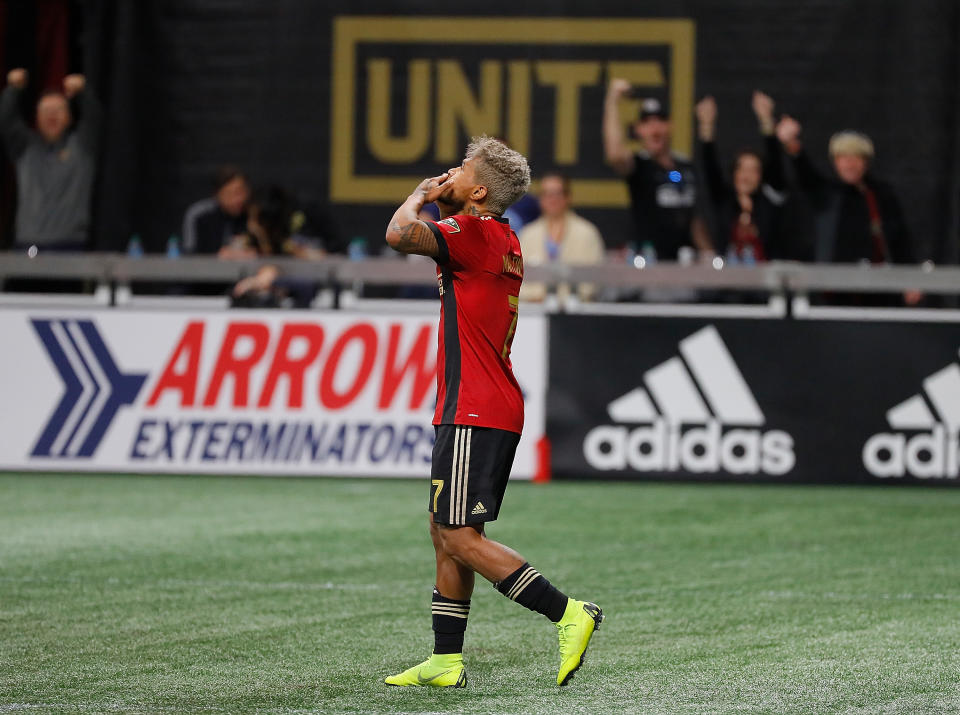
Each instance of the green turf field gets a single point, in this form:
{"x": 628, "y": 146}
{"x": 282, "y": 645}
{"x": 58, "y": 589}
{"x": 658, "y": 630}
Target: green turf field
{"x": 238, "y": 595}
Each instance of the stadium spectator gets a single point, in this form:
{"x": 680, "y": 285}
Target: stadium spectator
{"x": 278, "y": 226}
{"x": 219, "y": 221}
{"x": 559, "y": 236}
{"x": 859, "y": 218}
{"x": 55, "y": 165}
{"x": 746, "y": 209}
{"x": 662, "y": 185}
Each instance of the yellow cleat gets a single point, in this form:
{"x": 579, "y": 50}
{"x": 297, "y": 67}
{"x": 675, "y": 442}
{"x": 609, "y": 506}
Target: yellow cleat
{"x": 580, "y": 620}
{"x": 439, "y": 671}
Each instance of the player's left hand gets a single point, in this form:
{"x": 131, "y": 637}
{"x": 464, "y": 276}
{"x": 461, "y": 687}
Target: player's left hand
{"x": 431, "y": 189}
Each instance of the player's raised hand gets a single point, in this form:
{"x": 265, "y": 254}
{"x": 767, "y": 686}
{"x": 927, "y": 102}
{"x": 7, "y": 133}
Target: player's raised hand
{"x": 73, "y": 85}
{"x": 17, "y": 78}
{"x": 432, "y": 188}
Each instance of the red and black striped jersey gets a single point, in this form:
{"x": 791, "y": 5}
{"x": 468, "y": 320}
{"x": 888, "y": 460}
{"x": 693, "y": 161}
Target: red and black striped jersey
{"x": 479, "y": 269}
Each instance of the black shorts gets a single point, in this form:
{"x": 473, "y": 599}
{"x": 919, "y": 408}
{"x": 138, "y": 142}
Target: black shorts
{"x": 471, "y": 466}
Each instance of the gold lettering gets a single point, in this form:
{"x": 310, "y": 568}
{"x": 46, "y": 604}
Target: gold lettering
{"x": 354, "y": 75}
{"x": 518, "y": 106}
{"x": 681, "y": 93}
{"x": 644, "y": 74}
{"x": 567, "y": 78}
{"x": 388, "y": 148}
{"x": 457, "y": 105}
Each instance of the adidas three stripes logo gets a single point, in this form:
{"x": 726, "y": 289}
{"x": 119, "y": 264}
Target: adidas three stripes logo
{"x": 453, "y": 610}
{"x": 460, "y": 475}
{"x": 528, "y": 576}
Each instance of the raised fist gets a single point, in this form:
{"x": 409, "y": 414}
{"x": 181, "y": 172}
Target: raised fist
{"x": 707, "y": 110}
{"x": 788, "y": 130}
{"x": 17, "y": 78}
{"x": 763, "y": 105}
{"x": 618, "y": 88}
{"x": 73, "y": 85}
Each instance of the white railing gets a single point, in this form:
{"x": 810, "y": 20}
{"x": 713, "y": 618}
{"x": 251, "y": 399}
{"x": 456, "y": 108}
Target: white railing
{"x": 339, "y": 278}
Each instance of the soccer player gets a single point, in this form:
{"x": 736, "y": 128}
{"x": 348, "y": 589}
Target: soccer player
{"x": 479, "y": 413}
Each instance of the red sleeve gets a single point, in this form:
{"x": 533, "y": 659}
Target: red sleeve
{"x": 462, "y": 242}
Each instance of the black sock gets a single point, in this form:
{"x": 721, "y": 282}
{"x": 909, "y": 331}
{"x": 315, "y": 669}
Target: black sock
{"x": 449, "y": 623}
{"x": 528, "y": 588}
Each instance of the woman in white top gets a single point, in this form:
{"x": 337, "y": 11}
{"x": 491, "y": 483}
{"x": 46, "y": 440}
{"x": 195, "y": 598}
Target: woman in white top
{"x": 559, "y": 236}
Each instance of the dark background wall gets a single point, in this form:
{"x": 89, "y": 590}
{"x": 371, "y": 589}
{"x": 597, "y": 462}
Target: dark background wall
{"x": 191, "y": 84}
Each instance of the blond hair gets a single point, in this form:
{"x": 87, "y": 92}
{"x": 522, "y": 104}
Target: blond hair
{"x": 851, "y": 142}
{"x": 502, "y": 170}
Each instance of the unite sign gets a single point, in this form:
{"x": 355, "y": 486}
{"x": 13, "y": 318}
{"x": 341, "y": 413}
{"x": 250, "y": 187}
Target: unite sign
{"x": 408, "y": 92}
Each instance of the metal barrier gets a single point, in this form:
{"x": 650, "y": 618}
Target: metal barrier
{"x": 113, "y": 273}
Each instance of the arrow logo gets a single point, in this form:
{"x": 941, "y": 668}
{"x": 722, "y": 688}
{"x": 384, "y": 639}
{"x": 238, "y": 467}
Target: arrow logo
{"x": 95, "y": 389}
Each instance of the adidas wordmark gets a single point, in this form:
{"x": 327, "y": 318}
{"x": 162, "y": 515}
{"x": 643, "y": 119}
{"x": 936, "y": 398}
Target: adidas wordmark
{"x": 697, "y": 414}
{"x": 925, "y": 446}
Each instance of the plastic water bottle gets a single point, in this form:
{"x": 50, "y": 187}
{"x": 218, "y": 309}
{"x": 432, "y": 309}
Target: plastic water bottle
{"x": 357, "y": 250}
{"x": 135, "y": 247}
{"x": 649, "y": 253}
{"x": 748, "y": 257}
{"x": 173, "y": 247}
{"x": 732, "y": 258}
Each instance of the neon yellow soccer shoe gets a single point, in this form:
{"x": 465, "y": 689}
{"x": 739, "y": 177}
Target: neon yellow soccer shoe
{"x": 438, "y": 671}
{"x": 580, "y": 620}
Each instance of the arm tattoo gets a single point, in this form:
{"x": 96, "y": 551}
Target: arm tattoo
{"x": 416, "y": 237}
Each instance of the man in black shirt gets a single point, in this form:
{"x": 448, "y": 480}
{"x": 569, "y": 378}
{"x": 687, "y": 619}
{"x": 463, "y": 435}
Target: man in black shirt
{"x": 214, "y": 223}
{"x": 663, "y": 190}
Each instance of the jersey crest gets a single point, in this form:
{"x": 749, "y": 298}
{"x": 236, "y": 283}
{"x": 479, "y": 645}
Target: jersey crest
{"x": 452, "y": 223}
